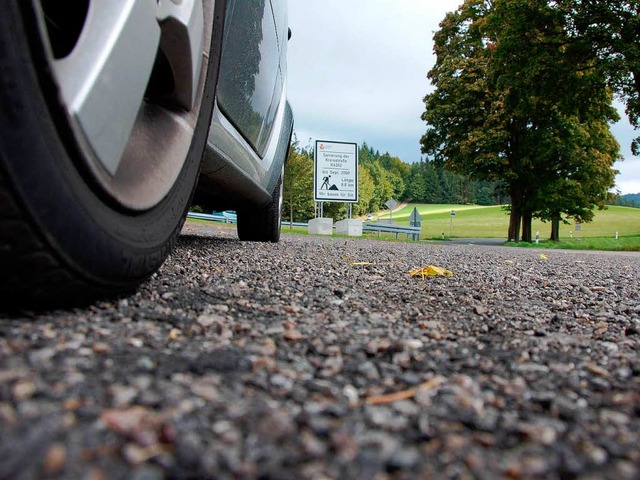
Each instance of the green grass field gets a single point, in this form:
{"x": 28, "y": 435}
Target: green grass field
{"x": 473, "y": 221}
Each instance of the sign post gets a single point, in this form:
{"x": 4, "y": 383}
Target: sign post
{"x": 415, "y": 219}
{"x": 453, "y": 214}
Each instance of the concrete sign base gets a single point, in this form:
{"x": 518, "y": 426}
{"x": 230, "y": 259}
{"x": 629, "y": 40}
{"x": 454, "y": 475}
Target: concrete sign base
{"x": 351, "y": 228}
{"x": 320, "y": 226}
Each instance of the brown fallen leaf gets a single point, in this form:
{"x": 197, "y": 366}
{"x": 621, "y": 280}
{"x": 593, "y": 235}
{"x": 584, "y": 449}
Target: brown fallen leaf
{"x": 405, "y": 394}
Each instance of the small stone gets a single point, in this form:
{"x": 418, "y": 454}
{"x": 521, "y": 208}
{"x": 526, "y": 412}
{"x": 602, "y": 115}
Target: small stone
{"x": 175, "y": 334}
{"x": 54, "y": 460}
{"x": 209, "y": 320}
{"x": 630, "y": 331}
{"x": 528, "y": 466}
{"x": 313, "y": 445}
{"x": 586, "y": 290}
{"x": 406, "y": 408}
{"x": 597, "y": 455}
{"x": 293, "y": 335}
{"x": 600, "y": 328}
{"x": 100, "y": 347}
{"x": 345, "y": 446}
{"x": 146, "y": 363}
{"x": 276, "y": 426}
{"x": 24, "y": 389}
{"x": 351, "y": 393}
{"x": 205, "y": 391}
{"x": 480, "y": 310}
{"x": 525, "y": 368}
{"x": 404, "y": 459}
{"x": 543, "y": 434}
{"x": 369, "y": 370}
{"x": 8, "y": 414}
{"x": 385, "y": 417}
{"x": 135, "y": 342}
{"x": 615, "y": 418}
{"x": 122, "y": 395}
{"x": 412, "y": 344}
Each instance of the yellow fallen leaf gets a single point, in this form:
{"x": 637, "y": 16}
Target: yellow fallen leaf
{"x": 543, "y": 256}
{"x": 430, "y": 271}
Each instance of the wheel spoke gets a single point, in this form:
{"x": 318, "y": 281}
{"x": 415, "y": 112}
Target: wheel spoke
{"x": 182, "y": 42}
{"x": 103, "y": 81}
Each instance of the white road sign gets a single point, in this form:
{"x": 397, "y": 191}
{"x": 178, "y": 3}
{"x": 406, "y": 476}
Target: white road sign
{"x": 335, "y": 176}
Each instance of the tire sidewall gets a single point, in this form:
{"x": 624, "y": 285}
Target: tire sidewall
{"x": 88, "y": 231}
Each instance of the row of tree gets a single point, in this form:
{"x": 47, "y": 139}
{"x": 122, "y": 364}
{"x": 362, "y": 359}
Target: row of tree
{"x": 380, "y": 177}
{"x": 523, "y": 96}
{"x": 628, "y": 200}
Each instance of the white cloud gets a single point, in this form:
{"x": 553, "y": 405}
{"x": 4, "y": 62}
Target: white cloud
{"x": 357, "y": 72}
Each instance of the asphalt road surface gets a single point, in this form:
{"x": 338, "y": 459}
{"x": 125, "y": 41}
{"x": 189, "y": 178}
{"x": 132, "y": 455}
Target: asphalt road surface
{"x": 323, "y": 358}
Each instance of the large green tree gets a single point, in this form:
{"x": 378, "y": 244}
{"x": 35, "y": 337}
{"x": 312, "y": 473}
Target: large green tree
{"x": 510, "y": 92}
{"x": 609, "y": 31}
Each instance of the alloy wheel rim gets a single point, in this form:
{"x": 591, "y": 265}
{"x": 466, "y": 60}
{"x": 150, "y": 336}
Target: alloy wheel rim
{"x": 131, "y": 86}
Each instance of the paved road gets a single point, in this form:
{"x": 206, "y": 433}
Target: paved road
{"x": 490, "y": 242}
{"x": 323, "y": 358}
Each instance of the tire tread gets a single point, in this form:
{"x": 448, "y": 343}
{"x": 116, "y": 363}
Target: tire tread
{"x": 33, "y": 275}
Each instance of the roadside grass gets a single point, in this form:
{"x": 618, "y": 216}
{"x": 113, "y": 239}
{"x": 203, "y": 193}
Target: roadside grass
{"x": 627, "y": 244}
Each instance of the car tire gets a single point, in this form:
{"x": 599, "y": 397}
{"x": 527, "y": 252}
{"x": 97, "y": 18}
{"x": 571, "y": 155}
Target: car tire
{"x": 66, "y": 236}
{"x": 263, "y": 224}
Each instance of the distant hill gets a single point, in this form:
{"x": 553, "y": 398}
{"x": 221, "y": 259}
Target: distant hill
{"x": 629, "y": 200}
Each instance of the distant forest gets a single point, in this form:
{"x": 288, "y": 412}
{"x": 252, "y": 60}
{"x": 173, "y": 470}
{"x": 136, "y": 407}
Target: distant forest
{"x": 380, "y": 177}
{"x": 628, "y": 200}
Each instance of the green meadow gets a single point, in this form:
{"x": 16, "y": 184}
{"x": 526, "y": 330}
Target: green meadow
{"x": 473, "y": 221}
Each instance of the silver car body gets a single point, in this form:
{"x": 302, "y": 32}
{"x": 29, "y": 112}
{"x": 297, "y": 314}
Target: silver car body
{"x": 252, "y": 119}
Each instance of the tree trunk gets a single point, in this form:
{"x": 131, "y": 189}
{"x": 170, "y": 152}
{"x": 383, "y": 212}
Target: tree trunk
{"x": 514, "y": 225}
{"x": 516, "y": 214}
{"x": 526, "y": 227}
{"x": 555, "y": 229}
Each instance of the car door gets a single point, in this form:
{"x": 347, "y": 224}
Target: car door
{"x": 254, "y": 55}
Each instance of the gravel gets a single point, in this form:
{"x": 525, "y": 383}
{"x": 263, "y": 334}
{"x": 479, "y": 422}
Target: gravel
{"x": 321, "y": 358}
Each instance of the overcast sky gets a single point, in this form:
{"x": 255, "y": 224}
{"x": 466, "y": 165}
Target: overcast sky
{"x": 357, "y": 73}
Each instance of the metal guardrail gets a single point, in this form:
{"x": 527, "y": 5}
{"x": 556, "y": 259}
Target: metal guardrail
{"x": 223, "y": 217}
{"x": 286, "y": 223}
{"x": 226, "y": 217}
{"x": 414, "y": 232}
